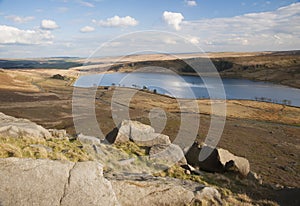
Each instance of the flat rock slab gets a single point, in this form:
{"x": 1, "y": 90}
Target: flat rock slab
{"x": 46, "y": 182}
{"x": 136, "y": 193}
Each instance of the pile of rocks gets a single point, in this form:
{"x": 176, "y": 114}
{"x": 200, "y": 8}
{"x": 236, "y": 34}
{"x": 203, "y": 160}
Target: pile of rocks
{"x": 161, "y": 148}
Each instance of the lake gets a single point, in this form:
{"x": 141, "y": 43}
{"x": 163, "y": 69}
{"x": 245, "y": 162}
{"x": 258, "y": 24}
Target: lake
{"x": 195, "y": 87}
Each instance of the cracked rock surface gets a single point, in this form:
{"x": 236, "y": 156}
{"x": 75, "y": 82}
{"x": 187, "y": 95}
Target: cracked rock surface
{"x": 46, "y": 182}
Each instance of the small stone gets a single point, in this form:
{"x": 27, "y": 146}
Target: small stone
{"x": 188, "y": 172}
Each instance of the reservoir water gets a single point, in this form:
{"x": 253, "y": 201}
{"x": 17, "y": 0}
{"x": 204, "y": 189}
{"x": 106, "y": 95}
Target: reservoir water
{"x": 178, "y": 86}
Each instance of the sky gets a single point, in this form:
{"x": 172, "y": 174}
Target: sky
{"x": 76, "y": 28}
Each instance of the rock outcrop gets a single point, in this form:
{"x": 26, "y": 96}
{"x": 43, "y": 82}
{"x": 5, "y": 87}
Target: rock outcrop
{"x": 47, "y": 182}
{"x": 128, "y": 178}
{"x": 14, "y": 127}
{"x": 136, "y": 193}
{"x": 144, "y": 189}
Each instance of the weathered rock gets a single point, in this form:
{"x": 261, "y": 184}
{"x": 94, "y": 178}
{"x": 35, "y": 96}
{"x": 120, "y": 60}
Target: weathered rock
{"x": 241, "y": 163}
{"x": 32, "y": 182}
{"x": 219, "y": 160}
{"x": 132, "y": 130}
{"x": 208, "y": 194}
{"x": 14, "y": 127}
{"x": 59, "y": 133}
{"x": 255, "y": 177}
{"x": 168, "y": 153}
{"x": 126, "y": 161}
{"x": 152, "y": 193}
{"x": 87, "y": 186}
{"x": 88, "y": 139}
{"x": 152, "y": 139}
{"x": 47, "y": 182}
{"x": 141, "y": 134}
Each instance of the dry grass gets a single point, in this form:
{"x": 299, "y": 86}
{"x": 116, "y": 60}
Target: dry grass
{"x": 54, "y": 149}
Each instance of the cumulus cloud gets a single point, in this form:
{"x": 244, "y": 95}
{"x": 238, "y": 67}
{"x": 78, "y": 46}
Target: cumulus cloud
{"x": 49, "y": 24}
{"x": 19, "y": 19}
{"x": 272, "y": 30}
{"x": 173, "y": 19}
{"x": 190, "y": 3}
{"x": 87, "y": 29}
{"x": 13, "y": 35}
{"x": 117, "y": 21}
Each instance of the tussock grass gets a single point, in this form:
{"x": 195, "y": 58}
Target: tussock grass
{"x": 54, "y": 149}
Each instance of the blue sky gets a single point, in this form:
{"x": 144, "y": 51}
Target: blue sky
{"x": 44, "y": 28}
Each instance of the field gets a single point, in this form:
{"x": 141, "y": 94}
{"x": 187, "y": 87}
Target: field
{"x": 264, "y": 133}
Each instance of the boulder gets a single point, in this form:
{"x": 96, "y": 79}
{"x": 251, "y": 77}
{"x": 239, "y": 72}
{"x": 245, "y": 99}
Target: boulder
{"x": 47, "y": 182}
{"x": 219, "y": 160}
{"x": 88, "y": 139}
{"x": 151, "y": 139}
{"x": 241, "y": 163}
{"x": 167, "y": 153}
{"x": 17, "y": 128}
{"x": 141, "y": 134}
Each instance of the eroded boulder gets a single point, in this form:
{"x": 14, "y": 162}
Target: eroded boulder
{"x": 167, "y": 153}
{"x": 218, "y": 160}
{"x": 141, "y": 134}
{"x": 16, "y": 128}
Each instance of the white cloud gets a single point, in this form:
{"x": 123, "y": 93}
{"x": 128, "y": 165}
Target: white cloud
{"x": 49, "y": 24}
{"x": 190, "y": 3}
{"x": 194, "y": 40}
{"x": 87, "y": 4}
{"x": 19, "y": 19}
{"x": 87, "y": 29}
{"x": 169, "y": 40}
{"x": 253, "y": 31}
{"x": 173, "y": 19}
{"x": 117, "y": 21}
{"x": 13, "y": 35}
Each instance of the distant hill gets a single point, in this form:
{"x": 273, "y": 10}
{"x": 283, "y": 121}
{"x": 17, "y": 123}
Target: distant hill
{"x": 57, "y": 63}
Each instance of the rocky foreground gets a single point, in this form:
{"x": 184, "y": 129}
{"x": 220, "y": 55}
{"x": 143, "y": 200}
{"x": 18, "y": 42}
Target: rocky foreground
{"x": 132, "y": 166}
